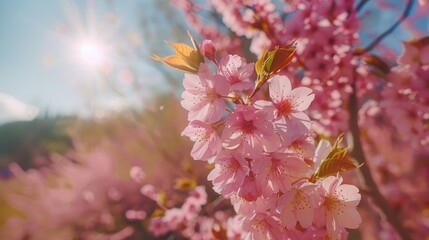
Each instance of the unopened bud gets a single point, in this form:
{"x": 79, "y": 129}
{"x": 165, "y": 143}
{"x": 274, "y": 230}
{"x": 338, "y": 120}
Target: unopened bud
{"x": 208, "y": 50}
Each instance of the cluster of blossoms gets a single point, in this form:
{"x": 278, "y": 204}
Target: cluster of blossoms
{"x": 325, "y": 31}
{"x": 407, "y": 92}
{"x": 261, "y": 145}
{"x": 78, "y": 199}
{"x": 181, "y": 220}
{"x": 390, "y": 97}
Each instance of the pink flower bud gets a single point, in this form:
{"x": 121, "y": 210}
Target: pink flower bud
{"x": 208, "y": 49}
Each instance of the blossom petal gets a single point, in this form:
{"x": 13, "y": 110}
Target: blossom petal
{"x": 280, "y": 88}
{"x": 350, "y": 218}
{"x": 302, "y": 98}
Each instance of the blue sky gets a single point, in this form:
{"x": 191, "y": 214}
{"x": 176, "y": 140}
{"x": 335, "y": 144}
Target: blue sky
{"x": 38, "y": 45}
{"x": 27, "y": 36}
{"x": 37, "y": 48}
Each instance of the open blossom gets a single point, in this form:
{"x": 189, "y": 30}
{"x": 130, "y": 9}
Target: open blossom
{"x": 262, "y": 226}
{"x": 174, "y": 217}
{"x": 302, "y": 146}
{"x": 193, "y": 204}
{"x": 199, "y": 195}
{"x": 229, "y": 172}
{"x": 203, "y": 95}
{"x": 414, "y": 55}
{"x": 287, "y": 107}
{"x": 236, "y": 72}
{"x": 207, "y": 142}
{"x": 339, "y": 206}
{"x": 297, "y": 205}
{"x": 250, "y": 190}
{"x": 279, "y": 171}
{"x": 234, "y": 229}
{"x": 250, "y": 129}
{"x": 158, "y": 226}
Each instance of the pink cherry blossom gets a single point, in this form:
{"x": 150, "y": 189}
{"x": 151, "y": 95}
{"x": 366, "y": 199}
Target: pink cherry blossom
{"x": 411, "y": 54}
{"x": 207, "y": 142}
{"x": 137, "y": 174}
{"x": 287, "y": 107}
{"x": 250, "y": 129}
{"x": 234, "y": 229}
{"x": 279, "y": 171}
{"x": 242, "y": 206}
{"x": 302, "y": 146}
{"x": 229, "y": 172}
{"x": 250, "y": 190}
{"x": 297, "y": 205}
{"x": 174, "y": 217}
{"x": 208, "y": 49}
{"x": 158, "y": 227}
{"x": 191, "y": 208}
{"x": 236, "y": 72}
{"x": 414, "y": 55}
{"x": 199, "y": 194}
{"x": 262, "y": 226}
{"x": 339, "y": 206}
{"x": 203, "y": 95}
{"x": 149, "y": 191}
{"x": 290, "y": 103}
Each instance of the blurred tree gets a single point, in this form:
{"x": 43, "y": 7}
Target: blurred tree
{"x": 23, "y": 142}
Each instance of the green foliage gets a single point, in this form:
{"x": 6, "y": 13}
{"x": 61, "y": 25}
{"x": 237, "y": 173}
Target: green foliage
{"x": 337, "y": 161}
{"x": 21, "y": 142}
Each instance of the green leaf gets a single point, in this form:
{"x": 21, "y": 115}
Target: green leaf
{"x": 336, "y": 162}
{"x": 269, "y": 60}
{"x": 259, "y": 65}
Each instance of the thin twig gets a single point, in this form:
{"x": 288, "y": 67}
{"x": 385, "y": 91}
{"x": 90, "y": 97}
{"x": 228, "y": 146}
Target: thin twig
{"x": 404, "y": 15}
{"x": 371, "y": 185}
{"x": 361, "y": 4}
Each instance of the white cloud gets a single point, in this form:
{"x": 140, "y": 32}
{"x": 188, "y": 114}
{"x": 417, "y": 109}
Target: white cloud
{"x": 12, "y": 109}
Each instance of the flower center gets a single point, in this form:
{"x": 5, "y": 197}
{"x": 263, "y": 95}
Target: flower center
{"x": 247, "y": 126}
{"x": 284, "y": 108}
{"x": 333, "y": 205}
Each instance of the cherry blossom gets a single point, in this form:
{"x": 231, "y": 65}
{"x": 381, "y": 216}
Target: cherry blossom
{"x": 203, "y": 95}
{"x": 339, "y": 206}
{"x": 262, "y": 226}
{"x": 236, "y": 72}
{"x": 297, "y": 205}
{"x": 207, "y": 142}
{"x": 287, "y": 107}
{"x": 229, "y": 172}
{"x": 251, "y": 130}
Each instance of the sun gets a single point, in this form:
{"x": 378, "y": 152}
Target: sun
{"x": 92, "y": 53}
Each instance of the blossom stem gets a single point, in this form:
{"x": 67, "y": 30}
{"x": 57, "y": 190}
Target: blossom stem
{"x": 209, "y": 208}
{"x": 261, "y": 81}
{"x": 300, "y": 180}
{"x": 368, "y": 180}
{"x": 404, "y": 15}
{"x": 218, "y": 124}
{"x": 228, "y": 97}
{"x": 249, "y": 98}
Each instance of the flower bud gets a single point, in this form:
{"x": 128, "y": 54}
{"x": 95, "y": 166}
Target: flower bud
{"x": 208, "y": 49}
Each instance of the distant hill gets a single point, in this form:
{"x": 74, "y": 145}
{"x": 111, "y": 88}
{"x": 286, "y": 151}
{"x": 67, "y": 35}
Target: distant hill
{"x": 22, "y": 142}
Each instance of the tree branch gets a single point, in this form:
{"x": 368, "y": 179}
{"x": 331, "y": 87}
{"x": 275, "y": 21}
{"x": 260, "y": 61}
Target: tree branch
{"x": 361, "y": 4}
{"x": 371, "y": 185}
{"x": 404, "y": 15}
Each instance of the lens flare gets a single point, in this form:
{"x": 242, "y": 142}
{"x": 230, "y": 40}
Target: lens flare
{"x": 92, "y": 53}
